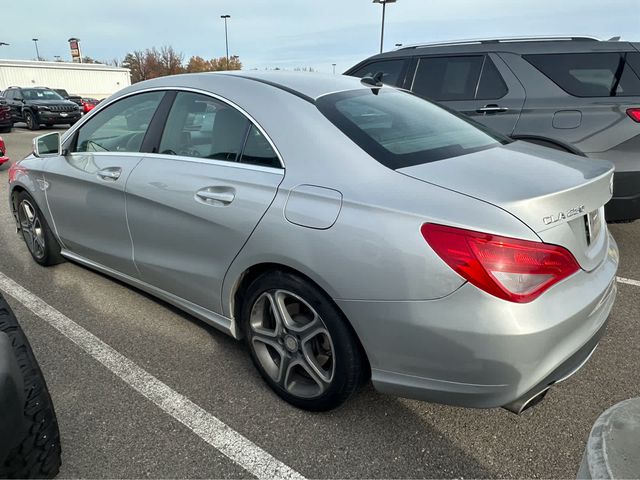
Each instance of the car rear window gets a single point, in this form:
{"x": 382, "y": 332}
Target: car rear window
{"x": 399, "y": 129}
{"x": 589, "y": 74}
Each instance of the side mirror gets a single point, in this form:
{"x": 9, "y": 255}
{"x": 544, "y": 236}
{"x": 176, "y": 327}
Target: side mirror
{"x": 47, "y": 145}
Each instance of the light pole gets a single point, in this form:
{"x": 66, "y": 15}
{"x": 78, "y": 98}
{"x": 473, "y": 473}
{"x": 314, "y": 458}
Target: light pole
{"x": 384, "y": 6}
{"x": 226, "y": 37}
{"x": 334, "y": 68}
{"x": 35, "y": 41}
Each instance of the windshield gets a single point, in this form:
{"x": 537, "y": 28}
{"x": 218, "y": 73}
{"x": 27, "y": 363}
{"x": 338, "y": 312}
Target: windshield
{"x": 399, "y": 129}
{"x": 40, "y": 94}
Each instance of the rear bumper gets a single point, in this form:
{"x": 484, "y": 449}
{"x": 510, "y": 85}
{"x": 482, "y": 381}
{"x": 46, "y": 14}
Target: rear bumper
{"x": 11, "y": 398}
{"x": 474, "y": 350}
{"x": 625, "y": 203}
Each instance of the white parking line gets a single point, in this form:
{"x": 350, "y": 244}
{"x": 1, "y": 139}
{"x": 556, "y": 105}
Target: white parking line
{"x": 212, "y": 430}
{"x": 628, "y": 281}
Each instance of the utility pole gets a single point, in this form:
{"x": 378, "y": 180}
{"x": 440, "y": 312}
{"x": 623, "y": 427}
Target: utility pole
{"x": 384, "y": 7}
{"x": 35, "y": 41}
{"x": 226, "y": 36}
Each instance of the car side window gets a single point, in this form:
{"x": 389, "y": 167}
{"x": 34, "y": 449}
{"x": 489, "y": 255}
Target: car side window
{"x": 491, "y": 85}
{"x": 258, "y": 151}
{"x": 203, "y": 127}
{"x": 448, "y": 78}
{"x": 120, "y": 127}
{"x": 589, "y": 74}
{"x": 391, "y": 71}
{"x": 8, "y": 94}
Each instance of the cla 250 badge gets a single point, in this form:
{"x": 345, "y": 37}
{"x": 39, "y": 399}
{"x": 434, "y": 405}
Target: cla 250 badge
{"x": 572, "y": 212}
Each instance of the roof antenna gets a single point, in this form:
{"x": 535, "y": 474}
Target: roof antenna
{"x": 374, "y": 82}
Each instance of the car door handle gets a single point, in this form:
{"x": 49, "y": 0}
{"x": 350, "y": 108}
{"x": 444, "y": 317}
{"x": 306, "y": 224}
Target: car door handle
{"x": 109, "y": 173}
{"x": 492, "y": 108}
{"x": 218, "y": 196}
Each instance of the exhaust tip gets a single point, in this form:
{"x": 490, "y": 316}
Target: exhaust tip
{"x": 527, "y": 401}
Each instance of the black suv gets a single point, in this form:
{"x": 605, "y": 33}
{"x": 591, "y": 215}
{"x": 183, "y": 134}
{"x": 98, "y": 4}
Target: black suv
{"x": 578, "y": 94}
{"x": 77, "y": 99}
{"x": 39, "y": 105}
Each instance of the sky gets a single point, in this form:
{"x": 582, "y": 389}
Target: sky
{"x": 298, "y": 33}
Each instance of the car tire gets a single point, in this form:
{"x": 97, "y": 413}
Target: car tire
{"x": 41, "y": 243}
{"x": 31, "y": 120}
{"x": 38, "y": 453}
{"x": 309, "y": 356}
{"x": 6, "y": 129}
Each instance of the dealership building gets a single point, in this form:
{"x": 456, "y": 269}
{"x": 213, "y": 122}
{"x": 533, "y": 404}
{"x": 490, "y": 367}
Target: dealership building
{"x": 85, "y": 79}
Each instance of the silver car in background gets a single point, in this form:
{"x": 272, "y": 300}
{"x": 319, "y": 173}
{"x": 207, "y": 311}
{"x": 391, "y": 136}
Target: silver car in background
{"x": 346, "y": 230}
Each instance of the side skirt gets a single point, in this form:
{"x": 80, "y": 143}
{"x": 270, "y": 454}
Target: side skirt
{"x": 222, "y": 323}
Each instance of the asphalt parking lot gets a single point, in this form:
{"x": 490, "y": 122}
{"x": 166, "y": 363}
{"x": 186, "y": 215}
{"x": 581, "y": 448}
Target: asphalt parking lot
{"x": 111, "y": 430}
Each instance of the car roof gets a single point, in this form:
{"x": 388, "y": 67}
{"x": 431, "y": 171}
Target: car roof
{"x": 528, "y": 46}
{"x": 307, "y": 85}
{"x": 310, "y": 84}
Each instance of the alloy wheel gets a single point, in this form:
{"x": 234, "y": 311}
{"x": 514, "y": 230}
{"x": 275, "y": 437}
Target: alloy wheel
{"x": 292, "y": 343}
{"x": 31, "y": 228}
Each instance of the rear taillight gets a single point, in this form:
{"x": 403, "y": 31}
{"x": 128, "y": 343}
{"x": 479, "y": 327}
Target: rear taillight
{"x": 512, "y": 269}
{"x": 634, "y": 113}
{"x": 3, "y": 148}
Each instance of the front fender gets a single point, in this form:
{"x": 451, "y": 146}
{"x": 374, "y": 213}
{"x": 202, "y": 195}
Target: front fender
{"x": 28, "y": 174}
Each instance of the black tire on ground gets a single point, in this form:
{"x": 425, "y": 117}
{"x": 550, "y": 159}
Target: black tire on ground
{"x": 350, "y": 365}
{"x": 6, "y": 129}
{"x": 51, "y": 252}
{"x": 31, "y": 120}
{"x": 38, "y": 453}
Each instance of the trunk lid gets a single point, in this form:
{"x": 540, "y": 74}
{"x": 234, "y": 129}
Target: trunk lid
{"x": 560, "y": 196}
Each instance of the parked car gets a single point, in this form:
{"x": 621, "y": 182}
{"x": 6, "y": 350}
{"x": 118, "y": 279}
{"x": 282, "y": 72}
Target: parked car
{"x": 346, "y": 230}
{"x": 29, "y": 436}
{"x": 39, "y": 105}
{"x": 6, "y": 122}
{"x": 576, "y": 94}
{"x": 3, "y": 153}
{"x": 77, "y": 99}
{"x": 88, "y": 104}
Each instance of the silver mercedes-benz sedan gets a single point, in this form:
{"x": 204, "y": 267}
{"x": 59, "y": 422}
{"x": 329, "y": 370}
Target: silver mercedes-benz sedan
{"x": 346, "y": 230}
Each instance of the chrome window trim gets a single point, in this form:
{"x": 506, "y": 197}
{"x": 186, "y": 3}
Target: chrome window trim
{"x": 102, "y": 105}
{"x": 211, "y": 161}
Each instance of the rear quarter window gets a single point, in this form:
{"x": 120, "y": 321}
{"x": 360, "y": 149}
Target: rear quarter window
{"x": 392, "y": 71}
{"x": 589, "y": 74}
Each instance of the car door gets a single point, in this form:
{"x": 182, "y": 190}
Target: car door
{"x": 192, "y": 206}
{"x": 85, "y": 187}
{"x": 480, "y": 86}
